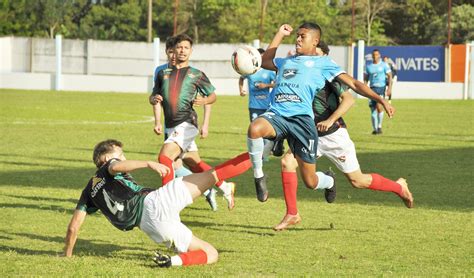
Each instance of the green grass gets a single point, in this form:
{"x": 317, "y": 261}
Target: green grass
{"x": 45, "y": 161}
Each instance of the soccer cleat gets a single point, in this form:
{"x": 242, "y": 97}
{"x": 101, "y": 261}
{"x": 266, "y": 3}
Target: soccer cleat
{"x": 261, "y": 188}
{"x": 229, "y": 197}
{"x": 406, "y": 197}
{"x": 211, "y": 199}
{"x": 330, "y": 193}
{"x": 288, "y": 220}
{"x": 374, "y": 132}
{"x": 162, "y": 260}
{"x": 379, "y": 130}
{"x": 278, "y": 148}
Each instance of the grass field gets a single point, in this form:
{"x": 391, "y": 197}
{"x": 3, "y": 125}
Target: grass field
{"x": 45, "y": 161}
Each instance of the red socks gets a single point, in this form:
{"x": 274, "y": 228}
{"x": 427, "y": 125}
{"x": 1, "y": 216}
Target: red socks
{"x": 163, "y": 159}
{"x": 202, "y": 167}
{"x": 383, "y": 184}
{"x": 290, "y": 188}
{"x": 234, "y": 167}
{"x": 194, "y": 257}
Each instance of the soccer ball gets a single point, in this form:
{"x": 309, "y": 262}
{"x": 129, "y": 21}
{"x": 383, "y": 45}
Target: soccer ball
{"x": 246, "y": 60}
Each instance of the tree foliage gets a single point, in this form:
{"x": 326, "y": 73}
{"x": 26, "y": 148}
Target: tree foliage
{"x": 378, "y": 22}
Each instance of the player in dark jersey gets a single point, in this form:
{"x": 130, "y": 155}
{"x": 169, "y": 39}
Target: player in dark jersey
{"x": 178, "y": 167}
{"x": 329, "y": 105}
{"x": 127, "y": 205}
{"x": 180, "y": 88}
{"x": 290, "y": 116}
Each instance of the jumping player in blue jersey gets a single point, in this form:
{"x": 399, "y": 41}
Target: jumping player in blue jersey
{"x": 291, "y": 115}
{"x": 378, "y": 75}
{"x": 259, "y": 85}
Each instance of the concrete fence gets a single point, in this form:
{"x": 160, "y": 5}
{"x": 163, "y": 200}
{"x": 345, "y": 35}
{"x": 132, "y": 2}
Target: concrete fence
{"x": 116, "y": 66}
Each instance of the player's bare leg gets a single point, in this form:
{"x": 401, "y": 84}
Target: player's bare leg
{"x": 197, "y": 165}
{"x": 260, "y": 128}
{"x": 380, "y": 183}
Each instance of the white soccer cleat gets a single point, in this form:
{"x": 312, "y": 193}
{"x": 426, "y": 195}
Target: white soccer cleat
{"x": 211, "y": 199}
{"x": 228, "y": 190}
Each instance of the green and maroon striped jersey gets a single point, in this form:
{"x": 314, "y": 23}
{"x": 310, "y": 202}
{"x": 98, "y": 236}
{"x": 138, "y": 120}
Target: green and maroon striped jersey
{"x": 179, "y": 87}
{"x": 118, "y": 197}
{"x": 326, "y": 102}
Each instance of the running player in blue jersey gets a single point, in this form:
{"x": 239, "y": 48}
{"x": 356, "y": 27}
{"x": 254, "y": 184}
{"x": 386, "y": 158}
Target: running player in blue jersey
{"x": 290, "y": 116}
{"x": 259, "y": 85}
{"x": 378, "y": 75}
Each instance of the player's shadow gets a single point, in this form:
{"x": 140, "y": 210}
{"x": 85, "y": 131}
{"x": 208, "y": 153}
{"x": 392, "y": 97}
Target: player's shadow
{"x": 83, "y": 246}
{"x": 438, "y": 179}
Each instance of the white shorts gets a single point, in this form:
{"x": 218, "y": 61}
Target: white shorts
{"x": 183, "y": 135}
{"x": 160, "y": 218}
{"x": 339, "y": 148}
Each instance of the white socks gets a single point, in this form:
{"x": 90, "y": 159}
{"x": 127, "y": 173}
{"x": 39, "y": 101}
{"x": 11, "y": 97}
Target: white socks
{"x": 324, "y": 181}
{"x": 255, "y": 148}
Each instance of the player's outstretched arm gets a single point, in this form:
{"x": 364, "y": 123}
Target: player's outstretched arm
{"x": 72, "y": 230}
{"x": 347, "y": 100}
{"x": 158, "y": 128}
{"x": 269, "y": 54}
{"x": 205, "y": 123}
{"x": 365, "y": 91}
{"x": 127, "y": 166}
{"x": 241, "y": 87}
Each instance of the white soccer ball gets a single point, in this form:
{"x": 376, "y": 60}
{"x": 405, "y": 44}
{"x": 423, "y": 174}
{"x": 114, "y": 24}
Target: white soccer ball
{"x": 246, "y": 60}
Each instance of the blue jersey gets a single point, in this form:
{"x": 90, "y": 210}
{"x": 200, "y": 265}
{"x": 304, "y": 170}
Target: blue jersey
{"x": 377, "y": 74}
{"x": 298, "y": 80}
{"x": 158, "y": 68}
{"x": 260, "y": 98}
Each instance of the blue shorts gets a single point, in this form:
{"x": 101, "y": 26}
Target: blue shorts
{"x": 299, "y": 131}
{"x": 254, "y": 113}
{"x": 380, "y": 91}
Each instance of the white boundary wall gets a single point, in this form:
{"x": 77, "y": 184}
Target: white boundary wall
{"x": 111, "y": 66}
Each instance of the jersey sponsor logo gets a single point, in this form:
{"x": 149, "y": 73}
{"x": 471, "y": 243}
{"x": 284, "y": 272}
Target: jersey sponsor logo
{"x": 260, "y": 96}
{"x": 97, "y": 184}
{"x": 281, "y": 97}
{"x": 289, "y": 85}
{"x": 191, "y": 75}
{"x": 166, "y": 77}
{"x": 289, "y": 73}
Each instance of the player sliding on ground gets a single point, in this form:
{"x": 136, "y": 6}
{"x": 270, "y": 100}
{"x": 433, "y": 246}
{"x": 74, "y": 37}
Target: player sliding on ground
{"x": 290, "y": 116}
{"x": 329, "y": 105}
{"x": 180, "y": 88}
{"x": 156, "y": 212}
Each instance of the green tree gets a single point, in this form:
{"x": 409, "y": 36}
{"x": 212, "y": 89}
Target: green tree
{"x": 113, "y": 22}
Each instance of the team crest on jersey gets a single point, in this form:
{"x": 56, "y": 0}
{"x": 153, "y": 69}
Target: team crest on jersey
{"x": 309, "y": 64}
{"x": 289, "y": 73}
{"x": 191, "y": 75}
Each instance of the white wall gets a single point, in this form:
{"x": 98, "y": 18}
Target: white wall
{"x": 111, "y": 66}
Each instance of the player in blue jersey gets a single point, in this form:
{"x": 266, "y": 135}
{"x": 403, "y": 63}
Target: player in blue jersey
{"x": 259, "y": 85}
{"x": 290, "y": 115}
{"x": 378, "y": 75}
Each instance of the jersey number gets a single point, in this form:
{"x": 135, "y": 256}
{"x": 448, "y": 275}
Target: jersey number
{"x": 111, "y": 204}
{"x": 311, "y": 146}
